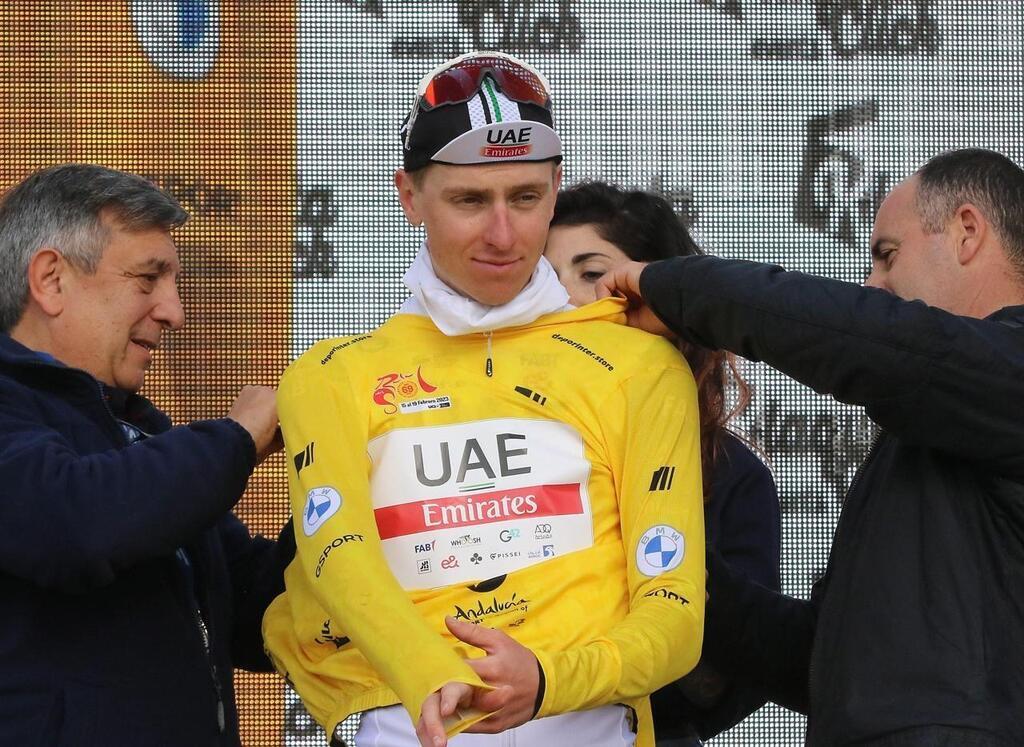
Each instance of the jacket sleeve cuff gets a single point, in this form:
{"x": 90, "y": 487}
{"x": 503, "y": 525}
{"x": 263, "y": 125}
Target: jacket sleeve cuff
{"x": 659, "y": 280}
{"x": 244, "y": 439}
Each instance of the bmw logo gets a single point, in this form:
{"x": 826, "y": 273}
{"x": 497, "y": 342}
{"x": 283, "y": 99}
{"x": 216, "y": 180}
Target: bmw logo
{"x": 660, "y": 549}
{"x": 180, "y": 37}
{"x": 321, "y": 504}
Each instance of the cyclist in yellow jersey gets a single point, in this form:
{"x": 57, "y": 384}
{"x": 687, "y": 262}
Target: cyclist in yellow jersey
{"x": 497, "y": 495}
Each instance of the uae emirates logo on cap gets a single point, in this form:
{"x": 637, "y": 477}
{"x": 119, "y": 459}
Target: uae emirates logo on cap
{"x": 507, "y": 142}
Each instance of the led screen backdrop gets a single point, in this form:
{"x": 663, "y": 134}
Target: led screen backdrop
{"x": 200, "y": 97}
{"x": 774, "y": 126}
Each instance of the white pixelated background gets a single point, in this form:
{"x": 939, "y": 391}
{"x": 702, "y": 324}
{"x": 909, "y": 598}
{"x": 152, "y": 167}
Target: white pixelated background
{"x": 774, "y": 126}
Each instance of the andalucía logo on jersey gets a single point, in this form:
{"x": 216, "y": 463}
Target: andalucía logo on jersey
{"x": 404, "y": 392}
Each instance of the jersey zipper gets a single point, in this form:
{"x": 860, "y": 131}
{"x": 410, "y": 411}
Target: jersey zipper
{"x": 489, "y": 366}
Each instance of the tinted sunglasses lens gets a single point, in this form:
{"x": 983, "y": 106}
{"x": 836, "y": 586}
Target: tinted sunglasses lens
{"x": 461, "y": 82}
{"x": 453, "y": 86}
{"x": 521, "y": 85}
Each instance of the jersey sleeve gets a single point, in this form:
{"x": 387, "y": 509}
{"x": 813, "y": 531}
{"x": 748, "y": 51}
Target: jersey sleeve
{"x": 651, "y": 429}
{"x": 325, "y": 431}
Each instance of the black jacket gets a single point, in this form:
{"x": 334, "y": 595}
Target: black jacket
{"x": 99, "y": 643}
{"x": 915, "y": 635}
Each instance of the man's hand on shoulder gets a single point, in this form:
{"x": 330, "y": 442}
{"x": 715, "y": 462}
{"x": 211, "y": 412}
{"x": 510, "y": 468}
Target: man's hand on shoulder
{"x": 509, "y": 667}
{"x": 255, "y": 409}
{"x": 624, "y": 281}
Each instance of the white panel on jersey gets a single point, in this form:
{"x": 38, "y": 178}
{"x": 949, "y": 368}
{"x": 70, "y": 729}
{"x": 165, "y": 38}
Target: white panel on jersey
{"x": 469, "y": 501}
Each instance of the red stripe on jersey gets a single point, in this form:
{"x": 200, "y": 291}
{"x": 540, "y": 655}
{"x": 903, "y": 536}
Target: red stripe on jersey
{"x": 482, "y": 508}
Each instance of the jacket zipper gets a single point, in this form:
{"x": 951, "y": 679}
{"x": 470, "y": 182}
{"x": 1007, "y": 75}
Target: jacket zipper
{"x": 204, "y": 632}
{"x": 811, "y": 679}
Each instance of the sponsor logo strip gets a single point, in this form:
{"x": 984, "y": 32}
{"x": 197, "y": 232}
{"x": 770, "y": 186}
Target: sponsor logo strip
{"x": 483, "y": 508}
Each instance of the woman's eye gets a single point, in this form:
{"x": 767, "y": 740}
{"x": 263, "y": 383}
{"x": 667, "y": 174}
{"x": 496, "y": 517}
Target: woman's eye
{"x": 592, "y": 276}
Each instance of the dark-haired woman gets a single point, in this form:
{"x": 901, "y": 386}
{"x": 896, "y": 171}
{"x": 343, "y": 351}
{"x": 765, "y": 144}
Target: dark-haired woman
{"x": 595, "y": 227}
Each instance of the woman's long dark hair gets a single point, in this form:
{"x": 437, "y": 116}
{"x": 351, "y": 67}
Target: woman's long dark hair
{"x": 646, "y": 228}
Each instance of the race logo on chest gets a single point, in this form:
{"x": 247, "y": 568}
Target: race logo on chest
{"x": 486, "y": 498}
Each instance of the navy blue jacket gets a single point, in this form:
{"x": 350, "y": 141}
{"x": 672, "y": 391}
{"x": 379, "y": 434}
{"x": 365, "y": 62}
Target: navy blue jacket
{"x": 742, "y": 520}
{"x": 915, "y": 634}
{"x": 99, "y": 641}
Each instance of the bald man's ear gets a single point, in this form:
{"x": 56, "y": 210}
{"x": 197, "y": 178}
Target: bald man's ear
{"x": 971, "y": 230}
{"x": 47, "y": 272}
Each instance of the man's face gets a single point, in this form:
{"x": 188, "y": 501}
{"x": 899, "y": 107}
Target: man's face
{"x": 908, "y": 261}
{"x": 112, "y": 320}
{"x": 486, "y": 225}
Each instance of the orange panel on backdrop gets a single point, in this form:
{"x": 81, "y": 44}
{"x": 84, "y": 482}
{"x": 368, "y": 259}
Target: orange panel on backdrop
{"x": 201, "y": 98}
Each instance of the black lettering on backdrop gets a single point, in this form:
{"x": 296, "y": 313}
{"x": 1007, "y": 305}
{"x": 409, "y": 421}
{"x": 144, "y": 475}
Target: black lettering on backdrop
{"x": 789, "y": 48}
{"x": 371, "y": 7}
{"x": 199, "y": 197}
{"x": 317, "y": 212}
{"x": 835, "y": 195}
{"x": 725, "y": 7}
{"x": 681, "y": 199}
{"x": 439, "y": 47}
{"x": 838, "y": 441}
{"x": 521, "y": 25}
{"x": 878, "y": 27}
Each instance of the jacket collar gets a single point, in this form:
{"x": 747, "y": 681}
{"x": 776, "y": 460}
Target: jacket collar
{"x": 13, "y": 353}
{"x": 1008, "y": 314}
{"x": 25, "y": 363}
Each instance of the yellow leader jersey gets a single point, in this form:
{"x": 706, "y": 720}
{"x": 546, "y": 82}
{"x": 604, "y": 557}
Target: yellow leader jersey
{"x": 543, "y": 480}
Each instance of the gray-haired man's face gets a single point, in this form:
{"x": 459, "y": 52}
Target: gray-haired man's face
{"x": 113, "y": 320}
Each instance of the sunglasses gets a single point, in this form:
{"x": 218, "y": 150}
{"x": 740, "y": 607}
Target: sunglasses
{"x": 459, "y": 80}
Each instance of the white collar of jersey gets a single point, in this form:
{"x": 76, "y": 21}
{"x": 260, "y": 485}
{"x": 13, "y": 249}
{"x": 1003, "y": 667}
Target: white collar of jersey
{"x": 454, "y": 314}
